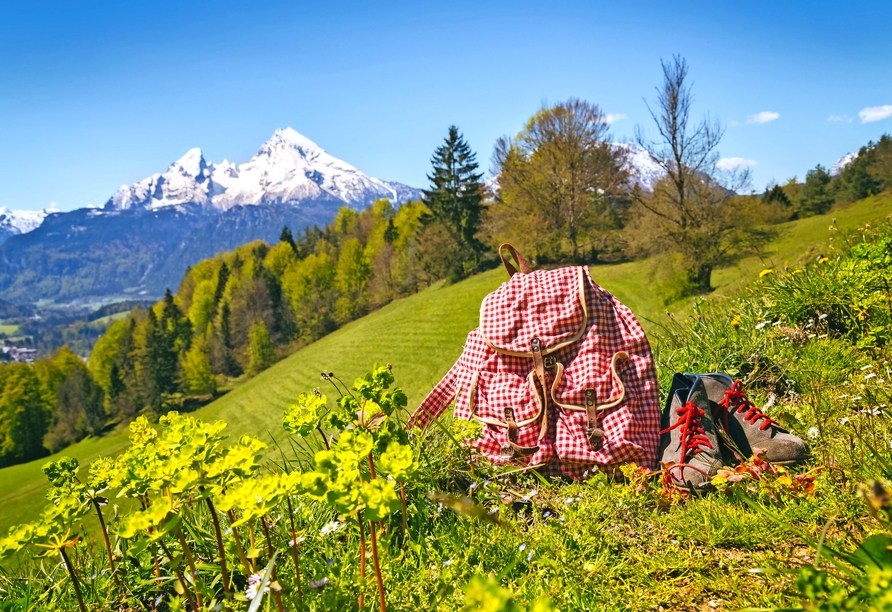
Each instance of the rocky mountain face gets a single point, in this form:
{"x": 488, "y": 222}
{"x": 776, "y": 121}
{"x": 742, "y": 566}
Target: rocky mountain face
{"x": 143, "y": 239}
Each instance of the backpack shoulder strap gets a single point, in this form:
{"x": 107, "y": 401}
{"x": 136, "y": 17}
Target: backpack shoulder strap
{"x": 523, "y": 266}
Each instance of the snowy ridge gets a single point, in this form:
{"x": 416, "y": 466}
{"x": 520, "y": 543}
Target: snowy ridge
{"x": 288, "y": 169}
{"x": 842, "y": 162}
{"x": 21, "y": 221}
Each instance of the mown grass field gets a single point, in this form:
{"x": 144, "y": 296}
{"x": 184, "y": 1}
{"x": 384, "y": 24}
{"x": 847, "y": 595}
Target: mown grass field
{"x": 422, "y": 335}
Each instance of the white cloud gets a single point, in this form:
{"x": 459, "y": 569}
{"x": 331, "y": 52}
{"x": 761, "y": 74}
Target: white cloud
{"x": 841, "y": 118}
{"x": 733, "y": 123}
{"x": 763, "y": 117}
{"x": 734, "y": 163}
{"x": 875, "y": 113}
{"x": 611, "y": 117}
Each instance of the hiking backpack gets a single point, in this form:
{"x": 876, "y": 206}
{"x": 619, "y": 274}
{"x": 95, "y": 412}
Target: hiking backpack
{"x": 559, "y": 373}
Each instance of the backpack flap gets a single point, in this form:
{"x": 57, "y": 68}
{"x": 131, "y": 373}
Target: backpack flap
{"x": 547, "y": 305}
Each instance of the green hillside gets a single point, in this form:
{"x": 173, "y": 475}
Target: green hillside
{"x": 422, "y": 335}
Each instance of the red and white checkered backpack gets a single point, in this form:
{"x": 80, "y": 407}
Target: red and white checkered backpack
{"x": 559, "y": 373}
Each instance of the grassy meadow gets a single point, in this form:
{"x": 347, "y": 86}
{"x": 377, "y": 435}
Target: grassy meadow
{"x": 423, "y": 334}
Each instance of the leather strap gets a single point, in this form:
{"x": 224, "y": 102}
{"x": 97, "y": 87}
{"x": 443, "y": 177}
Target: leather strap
{"x": 523, "y": 266}
{"x": 594, "y": 434}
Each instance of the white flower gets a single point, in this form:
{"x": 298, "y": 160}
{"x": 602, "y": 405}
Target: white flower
{"x": 522, "y": 547}
{"x": 532, "y": 493}
{"x": 546, "y": 514}
{"x": 472, "y": 486}
{"x": 254, "y": 581}
{"x": 448, "y": 562}
{"x": 530, "y": 556}
{"x": 771, "y": 401}
{"x": 318, "y": 584}
{"x": 813, "y": 433}
{"x": 330, "y": 527}
{"x": 570, "y": 500}
{"x": 762, "y": 324}
{"x": 300, "y": 540}
{"x": 823, "y": 316}
{"x": 843, "y": 420}
{"x": 869, "y": 376}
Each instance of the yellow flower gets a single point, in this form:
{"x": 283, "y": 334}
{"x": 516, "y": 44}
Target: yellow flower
{"x": 735, "y": 322}
{"x": 797, "y": 271}
{"x": 766, "y": 272}
{"x": 823, "y": 260}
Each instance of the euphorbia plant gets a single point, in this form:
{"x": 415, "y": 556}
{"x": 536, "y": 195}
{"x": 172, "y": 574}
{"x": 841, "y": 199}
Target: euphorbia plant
{"x": 368, "y": 427}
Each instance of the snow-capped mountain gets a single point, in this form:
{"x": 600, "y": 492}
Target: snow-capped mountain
{"x": 842, "y": 162}
{"x": 643, "y": 169}
{"x": 288, "y": 169}
{"x": 14, "y": 222}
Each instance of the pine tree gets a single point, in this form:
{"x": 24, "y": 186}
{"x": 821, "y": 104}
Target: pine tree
{"x": 455, "y": 197}
{"x": 815, "y": 197}
{"x": 287, "y": 237}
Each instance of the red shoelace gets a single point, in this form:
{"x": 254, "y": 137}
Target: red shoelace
{"x": 693, "y": 438}
{"x": 736, "y": 397}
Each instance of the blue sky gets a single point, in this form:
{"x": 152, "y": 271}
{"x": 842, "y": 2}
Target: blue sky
{"x": 98, "y": 94}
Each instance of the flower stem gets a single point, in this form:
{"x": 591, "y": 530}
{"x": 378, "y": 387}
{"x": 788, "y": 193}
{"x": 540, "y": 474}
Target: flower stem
{"x": 361, "y": 559}
{"x": 377, "y": 567}
{"x": 300, "y": 597}
{"x": 324, "y": 439}
{"x": 272, "y": 576}
{"x": 77, "y": 586}
{"x": 403, "y": 500}
{"x": 249, "y": 567}
{"x": 111, "y": 560}
{"x": 188, "y": 552}
{"x": 176, "y": 570}
{"x": 220, "y": 549}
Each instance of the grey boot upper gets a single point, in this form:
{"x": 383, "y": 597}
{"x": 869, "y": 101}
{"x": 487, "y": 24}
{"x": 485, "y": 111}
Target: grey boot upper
{"x": 689, "y": 439}
{"x": 748, "y": 427}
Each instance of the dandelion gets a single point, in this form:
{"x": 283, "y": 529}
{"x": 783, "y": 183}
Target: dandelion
{"x": 823, "y": 259}
{"x": 318, "y": 584}
{"x": 766, "y": 272}
{"x": 522, "y": 547}
{"x": 330, "y": 527}
{"x": 813, "y": 433}
{"x": 448, "y": 562}
{"x": 735, "y": 322}
{"x": 254, "y": 581}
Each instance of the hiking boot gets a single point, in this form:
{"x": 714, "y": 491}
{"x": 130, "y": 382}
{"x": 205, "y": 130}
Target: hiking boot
{"x": 688, "y": 438}
{"x": 748, "y": 427}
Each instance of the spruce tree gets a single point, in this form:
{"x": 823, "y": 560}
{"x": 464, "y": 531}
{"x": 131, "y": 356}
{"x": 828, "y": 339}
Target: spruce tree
{"x": 287, "y": 236}
{"x": 455, "y": 197}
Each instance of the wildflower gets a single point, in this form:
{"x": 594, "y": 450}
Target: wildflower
{"x": 823, "y": 259}
{"x": 530, "y": 556}
{"x": 494, "y": 509}
{"x": 813, "y": 433}
{"x": 771, "y": 400}
{"x": 585, "y": 474}
{"x": 299, "y": 540}
{"x": 570, "y": 500}
{"x": 254, "y": 581}
{"x": 762, "y": 324}
{"x": 822, "y": 316}
{"x": 766, "y": 272}
{"x": 869, "y": 376}
{"x": 735, "y": 322}
{"x": 318, "y": 584}
{"x": 330, "y": 527}
{"x": 522, "y": 547}
{"x": 843, "y": 420}
{"x": 486, "y": 483}
{"x": 546, "y": 514}
{"x": 448, "y": 562}
{"x": 797, "y": 271}
{"x": 472, "y": 486}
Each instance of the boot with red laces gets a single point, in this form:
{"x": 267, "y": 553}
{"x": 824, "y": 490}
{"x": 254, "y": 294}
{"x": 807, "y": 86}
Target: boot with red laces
{"x": 747, "y": 426}
{"x": 688, "y": 440}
